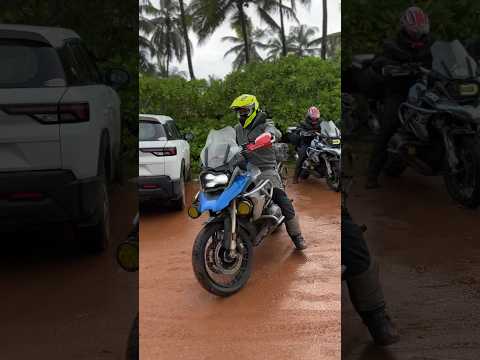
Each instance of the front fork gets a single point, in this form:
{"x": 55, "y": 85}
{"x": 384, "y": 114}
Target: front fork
{"x": 450, "y": 150}
{"x": 230, "y": 230}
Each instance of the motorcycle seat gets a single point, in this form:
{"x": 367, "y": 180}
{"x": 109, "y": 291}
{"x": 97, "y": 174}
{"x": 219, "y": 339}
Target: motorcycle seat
{"x": 361, "y": 61}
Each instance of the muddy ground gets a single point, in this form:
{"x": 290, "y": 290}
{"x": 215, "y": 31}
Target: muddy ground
{"x": 58, "y": 302}
{"x": 290, "y": 308}
{"x": 429, "y": 252}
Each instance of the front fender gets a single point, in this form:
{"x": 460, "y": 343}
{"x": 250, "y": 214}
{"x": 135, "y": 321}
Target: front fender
{"x": 335, "y": 152}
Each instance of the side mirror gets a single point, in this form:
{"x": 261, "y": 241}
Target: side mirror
{"x": 116, "y": 78}
{"x": 188, "y": 137}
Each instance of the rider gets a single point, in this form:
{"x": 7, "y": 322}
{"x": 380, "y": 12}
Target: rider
{"x": 311, "y": 123}
{"x": 361, "y": 271}
{"x": 252, "y": 123}
{"x": 412, "y": 44}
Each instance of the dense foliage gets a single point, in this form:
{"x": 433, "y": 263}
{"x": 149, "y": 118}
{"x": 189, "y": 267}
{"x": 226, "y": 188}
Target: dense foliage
{"x": 285, "y": 88}
{"x": 366, "y": 23}
{"x": 109, "y": 29}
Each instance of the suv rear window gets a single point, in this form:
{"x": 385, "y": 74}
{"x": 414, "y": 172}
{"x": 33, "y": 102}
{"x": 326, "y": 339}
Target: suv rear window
{"x": 151, "y": 131}
{"x": 29, "y": 64}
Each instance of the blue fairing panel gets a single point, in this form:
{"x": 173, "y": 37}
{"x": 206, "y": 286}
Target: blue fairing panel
{"x": 219, "y": 202}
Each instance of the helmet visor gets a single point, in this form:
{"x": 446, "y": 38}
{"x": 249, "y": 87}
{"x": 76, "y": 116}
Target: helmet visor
{"x": 243, "y": 111}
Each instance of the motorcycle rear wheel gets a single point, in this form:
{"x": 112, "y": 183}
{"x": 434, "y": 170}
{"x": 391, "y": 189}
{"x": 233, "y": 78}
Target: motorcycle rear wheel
{"x": 464, "y": 186}
{"x": 204, "y": 269}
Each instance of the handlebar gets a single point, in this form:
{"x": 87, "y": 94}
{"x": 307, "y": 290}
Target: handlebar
{"x": 407, "y": 69}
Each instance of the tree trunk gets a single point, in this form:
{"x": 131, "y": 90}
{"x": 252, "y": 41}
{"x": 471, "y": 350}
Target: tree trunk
{"x": 187, "y": 40}
{"x": 282, "y": 31}
{"x": 324, "y": 30}
{"x": 167, "y": 67}
{"x": 244, "y": 30}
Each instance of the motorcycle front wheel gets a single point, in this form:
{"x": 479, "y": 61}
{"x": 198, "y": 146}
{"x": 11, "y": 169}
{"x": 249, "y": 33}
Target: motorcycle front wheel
{"x": 333, "y": 181}
{"x": 464, "y": 185}
{"x": 215, "y": 270}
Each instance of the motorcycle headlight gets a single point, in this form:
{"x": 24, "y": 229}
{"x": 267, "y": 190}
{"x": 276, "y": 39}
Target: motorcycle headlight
{"x": 211, "y": 181}
{"x": 462, "y": 90}
{"x": 468, "y": 89}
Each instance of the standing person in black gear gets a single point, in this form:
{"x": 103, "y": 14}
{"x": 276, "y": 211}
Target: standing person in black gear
{"x": 311, "y": 122}
{"x": 412, "y": 45}
{"x": 252, "y": 123}
{"x": 361, "y": 271}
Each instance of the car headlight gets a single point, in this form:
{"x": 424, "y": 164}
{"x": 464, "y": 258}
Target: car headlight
{"x": 211, "y": 181}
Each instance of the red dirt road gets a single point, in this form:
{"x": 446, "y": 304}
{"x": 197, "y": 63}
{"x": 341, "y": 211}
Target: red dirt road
{"x": 58, "y": 302}
{"x": 429, "y": 254}
{"x": 289, "y": 309}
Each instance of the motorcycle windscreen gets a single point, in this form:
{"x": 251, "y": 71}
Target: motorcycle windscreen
{"x": 220, "y": 147}
{"x": 451, "y": 60}
{"x": 328, "y": 128}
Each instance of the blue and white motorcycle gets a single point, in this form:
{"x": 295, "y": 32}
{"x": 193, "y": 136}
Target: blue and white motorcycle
{"x": 242, "y": 212}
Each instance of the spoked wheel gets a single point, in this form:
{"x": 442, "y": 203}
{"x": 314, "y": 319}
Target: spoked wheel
{"x": 464, "y": 185}
{"x": 333, "y": 181}
{"x": 215, "y": 268}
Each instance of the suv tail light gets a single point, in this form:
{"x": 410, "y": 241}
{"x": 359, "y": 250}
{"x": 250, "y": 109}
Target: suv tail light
{"x": 23, "y": 196}
{"x": 51, "y": 113}
{"x": 166, "y": 151}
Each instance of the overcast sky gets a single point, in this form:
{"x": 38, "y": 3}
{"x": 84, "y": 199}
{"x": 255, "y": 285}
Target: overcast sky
{"x": 208, "y": 58}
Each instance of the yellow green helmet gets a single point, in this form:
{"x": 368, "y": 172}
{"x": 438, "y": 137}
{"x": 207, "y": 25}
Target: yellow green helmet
{"x": 246, "y": 107}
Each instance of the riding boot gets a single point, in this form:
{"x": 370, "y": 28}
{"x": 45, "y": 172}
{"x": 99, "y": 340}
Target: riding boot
{"x": 367, "y": 298}
{"x": 293, "y": 229}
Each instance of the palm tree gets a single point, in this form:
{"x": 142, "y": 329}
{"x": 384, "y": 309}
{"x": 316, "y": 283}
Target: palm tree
{"x": 188, "y": 46}
{"x": 302, "y": 42}
{"x": 166, "y": 35}
{"x": 210, "y": 14}
{"x": 324, "y": 30}
{"x": 334, "y": 44}
{"x": 165, "y": 26}
{"x": 255, "y": 44}
{"x": 146, "y": 27}
{"x": 267, "y": 7}
{"x": 275, "y": 46}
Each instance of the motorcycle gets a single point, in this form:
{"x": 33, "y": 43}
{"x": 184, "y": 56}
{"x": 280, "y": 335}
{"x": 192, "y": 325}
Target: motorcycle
{"x": 242, "y": 213}
{"x": 323, "y": 154}
{"x": 440, "y": 123}
{"x": 127, "y": 258}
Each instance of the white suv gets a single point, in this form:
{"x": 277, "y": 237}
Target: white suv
{"x": 59, "y": 132}
{"x": 164, "y": 160}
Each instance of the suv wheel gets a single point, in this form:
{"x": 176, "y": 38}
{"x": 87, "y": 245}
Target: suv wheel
{"x": 96, "y": 237}
{"x": 179, "y": 204}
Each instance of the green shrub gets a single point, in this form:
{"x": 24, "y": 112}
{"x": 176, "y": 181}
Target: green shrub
{"x": 285, "y": 88}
